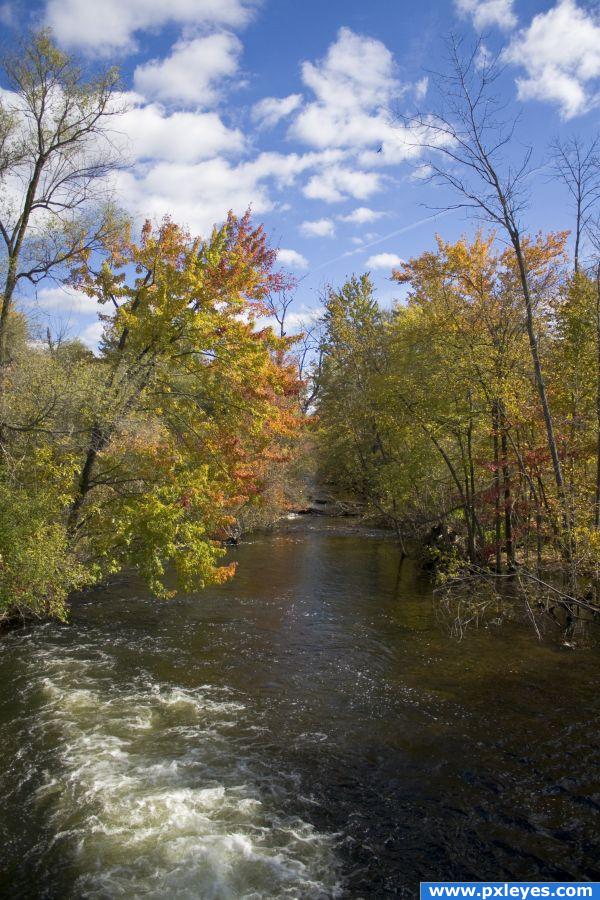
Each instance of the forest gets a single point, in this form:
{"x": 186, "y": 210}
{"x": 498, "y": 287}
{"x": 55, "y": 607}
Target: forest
{"x": 470, "y": 410}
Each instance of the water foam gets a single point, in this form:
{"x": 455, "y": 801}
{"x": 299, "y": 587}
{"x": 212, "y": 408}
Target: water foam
{"x": 155, "y": 792}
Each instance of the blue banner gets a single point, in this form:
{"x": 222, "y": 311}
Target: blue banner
{"x": 517, "y": 890}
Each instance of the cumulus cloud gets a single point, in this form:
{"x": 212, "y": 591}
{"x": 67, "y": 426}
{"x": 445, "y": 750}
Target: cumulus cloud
{"x": 383, "y": 261}
{"x": 271, "y": 110}
{"x": 338, "y": 183}
{"x": 354, "y": 85}
{"x": 351, "y": 86}
{"x": 296, "y": 321}
{"x": 199, "y": 194}
{"x": 189, "y": 165}
{"x": 304, "y": 317}
{"x": 356, "y": 70}
{"x": 101, "y": 28}
{"x": 153, "y": 133}
{"x": 292, "y": 258}
{"x": 361, "y": 215}
{"x": 560, "y": 52}
{"x": 318, "y": 228}
{"x": 196, "y": 195}
{"x": 420, "y": 173}
{"x": 190, "y": 74}
{"x": 488, "y": 13}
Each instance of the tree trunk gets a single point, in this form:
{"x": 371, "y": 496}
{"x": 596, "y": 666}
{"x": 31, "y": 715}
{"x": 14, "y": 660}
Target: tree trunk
{"x": 597, "y": 503}
{"x": 508, "y": 531}
{"x": 497, "y": 525}
{"x": 567, "y": 547}
{"x": 98, "y": 441}
{"x": 9, "y": 289}
{"x": 14, "y": 252}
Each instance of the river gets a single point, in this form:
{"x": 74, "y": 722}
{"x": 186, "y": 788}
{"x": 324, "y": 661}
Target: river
{"x": 309, "y": 730}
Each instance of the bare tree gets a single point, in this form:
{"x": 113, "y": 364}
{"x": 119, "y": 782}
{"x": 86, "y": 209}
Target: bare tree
{"x": 471, "y": 144}
{"x": 593, "y": 231}
{"x": 55, "y": 151}
{"x": 309, "y": 357}
{"x": 577, "y": 164}
{"x": 278, "y": 306}
{"x": 307, "y": 348}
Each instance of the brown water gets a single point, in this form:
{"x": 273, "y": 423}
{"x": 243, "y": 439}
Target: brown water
{"x": 309, "y": 730}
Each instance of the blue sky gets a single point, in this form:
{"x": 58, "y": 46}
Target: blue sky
{"x": 283, "y": 106}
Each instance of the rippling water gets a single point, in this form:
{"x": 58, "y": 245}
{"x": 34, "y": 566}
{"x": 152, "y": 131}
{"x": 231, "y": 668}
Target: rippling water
{"x": 306, "y": 731}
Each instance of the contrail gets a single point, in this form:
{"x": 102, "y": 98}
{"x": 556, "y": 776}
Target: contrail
{"x": 385, "y": 237}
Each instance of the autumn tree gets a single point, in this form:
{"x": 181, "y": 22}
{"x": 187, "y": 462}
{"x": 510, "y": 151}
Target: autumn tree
{"x": 473, "y": 154}
{"x": 150, "y": 449}
{"x": 462, "y": 365}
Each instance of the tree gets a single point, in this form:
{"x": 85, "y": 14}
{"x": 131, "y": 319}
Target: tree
{"x": 471, "y": 147}
{"x": 145, "y": 454}
{"x": 55, "y": 152}
{"x": 578, "y": 167}
{"x": 460, "y": 359}
{"x": 206, "y": 383}
{"x": 355, "y": 438}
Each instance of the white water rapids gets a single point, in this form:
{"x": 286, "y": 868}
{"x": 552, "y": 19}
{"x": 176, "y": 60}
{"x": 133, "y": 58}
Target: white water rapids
{"x": 151, "y": 791}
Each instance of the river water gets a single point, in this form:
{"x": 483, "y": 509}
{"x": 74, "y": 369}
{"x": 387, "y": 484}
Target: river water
{"x": 309, "y": 730}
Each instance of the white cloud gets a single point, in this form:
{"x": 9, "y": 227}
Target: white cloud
{"x": 486, "y": 13}
{"x": 195, "y": 195}
{"x": 361, "y": 215}
{"x": 101, "y": 27}
{"x": 92, "y": 334}
{"x": 354, "y": 86}
{"x": 200, "y": 194}
{"x": 305, "y": 317}
{"x": 271, "y": 110}
{"x": 57, "y": 299}
{"x": 421, "y": 87}
{"x": 560, "y": 51}
{"x": 335, "y": 184}
{"x": 383, "y": 261}
{"x": 420, "y": 173}
{"x": 182, "y": 164}
{"x": 296, "y": 321}
{"x": 318, "y": 228}
{"x": 286, "y": 167}
{"x": 357, "y": 71}
{"x": 152, "y": 133}
{"x": 292, "y": 258}
{"x": 483, "y": 57}
{"x": 189, "y": 74}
